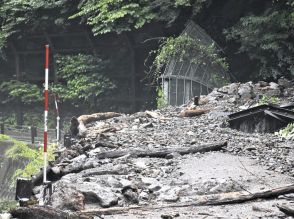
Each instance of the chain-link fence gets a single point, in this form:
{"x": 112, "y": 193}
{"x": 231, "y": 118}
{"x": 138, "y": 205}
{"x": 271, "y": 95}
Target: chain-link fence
{"x": 184, "y": 79}
{"x": 29, "y": 134}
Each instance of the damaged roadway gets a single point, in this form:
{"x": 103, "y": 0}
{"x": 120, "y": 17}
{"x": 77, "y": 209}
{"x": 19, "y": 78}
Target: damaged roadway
{"x": 89, "y": 184}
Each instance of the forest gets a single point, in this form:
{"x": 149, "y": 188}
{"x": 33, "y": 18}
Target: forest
{"x": 108, "y": 54}
{"x": 157, "y": 109}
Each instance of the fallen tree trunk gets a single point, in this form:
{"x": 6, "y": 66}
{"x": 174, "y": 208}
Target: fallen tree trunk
{"x": 45, "y": 212}
{"x": 78, "y": 125}
{"x": 238, "y": 197}
{"x": 163, "y": 152}
{"x": 286, "y": 210}
{"x": 37, "y": 180}
{"x": 193, "y": 112}
{"x": 215, "y": 199}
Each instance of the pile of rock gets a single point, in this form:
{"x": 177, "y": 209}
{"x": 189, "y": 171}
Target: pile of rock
{"x": 87, "y": 181}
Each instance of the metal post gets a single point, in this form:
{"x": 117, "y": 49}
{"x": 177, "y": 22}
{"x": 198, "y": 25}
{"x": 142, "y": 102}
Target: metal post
{"x": 57, "y": 119}
{"x": 2, "y": 128}
{"x": 33, "y": 134}
{"x": 46, "y": 112}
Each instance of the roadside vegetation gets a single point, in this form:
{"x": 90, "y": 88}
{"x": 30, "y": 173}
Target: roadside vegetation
{"x": 33, "y": 156}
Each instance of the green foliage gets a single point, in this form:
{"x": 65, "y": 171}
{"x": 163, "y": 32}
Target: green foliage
{"x": 16, "y": 90}
{"x": 81, "y": 79}
{"x": 188, "y": 49}
{"x": 161, "y": 99}
{"x": 19, "y": 17}
{"x": 6, "y": 206}
{"x": 118, "y": 16}
{"x": 287, "y": 132}
{"x": 266, "y": 100}
{"x": 115, "y": 15}
{"x": 268, "y": 39}
{"x": 21, "y": 150}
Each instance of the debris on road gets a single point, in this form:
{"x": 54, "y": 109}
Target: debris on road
{"x": 153, "y": 163}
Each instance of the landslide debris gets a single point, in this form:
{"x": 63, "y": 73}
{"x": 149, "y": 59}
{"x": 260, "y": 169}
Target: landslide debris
{"x": 89, "y": 181}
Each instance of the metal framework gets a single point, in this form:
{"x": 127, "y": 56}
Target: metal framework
{"x": 183, "y": 80}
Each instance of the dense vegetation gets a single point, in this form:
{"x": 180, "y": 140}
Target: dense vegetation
{"x": 262, "y": 32}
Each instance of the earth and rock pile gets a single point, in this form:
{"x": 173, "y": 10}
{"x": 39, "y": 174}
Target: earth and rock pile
{"x": 133, "y": 166}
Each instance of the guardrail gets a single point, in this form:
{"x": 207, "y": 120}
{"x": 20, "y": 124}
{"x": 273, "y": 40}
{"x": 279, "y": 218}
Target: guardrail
{"x": 29, "y": 134}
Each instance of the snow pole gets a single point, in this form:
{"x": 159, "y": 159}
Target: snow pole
{"x": 57, "y": 118}
{"x": 46, "y": 112}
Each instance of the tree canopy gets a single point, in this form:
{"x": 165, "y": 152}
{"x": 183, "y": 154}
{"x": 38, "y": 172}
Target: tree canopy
{"x": 268, "y": 39}
{"x": 262, "y": 31}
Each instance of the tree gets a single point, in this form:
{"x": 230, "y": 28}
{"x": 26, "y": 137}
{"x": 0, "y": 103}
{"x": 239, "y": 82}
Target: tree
{"x": 106, "y": 16}
{"x": 268, "y": 39}
{"x": 81, "y": 80}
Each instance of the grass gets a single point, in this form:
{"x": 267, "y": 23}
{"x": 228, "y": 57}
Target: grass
{"x": 287, "y": 132}
{"x": 6, "y": 206}
{"x": 20, "y": 150}
{"x": 266, "y": 100}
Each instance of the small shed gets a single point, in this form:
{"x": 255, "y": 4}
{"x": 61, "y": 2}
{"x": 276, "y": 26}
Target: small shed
{"x": 184, "y": 79}
{"x": 262, "y": 119}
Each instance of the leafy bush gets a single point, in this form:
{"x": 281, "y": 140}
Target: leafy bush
{"x": 287, "y": 132}
{"x": 266, "y": 100}
{"x": 191, "y": 50}
{"x": 34, "y": 156}
{"x": 17, "y": 90}
{"x": 6, "y": 206}
{"x": 161, "y": 99}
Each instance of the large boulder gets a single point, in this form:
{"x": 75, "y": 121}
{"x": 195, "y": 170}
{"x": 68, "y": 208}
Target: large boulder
{"x": 94, "y": 192}
{"x": 67, "y": 198}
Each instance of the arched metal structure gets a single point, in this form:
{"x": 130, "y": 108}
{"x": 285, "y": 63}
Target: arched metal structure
{"x": 183, "y": 80}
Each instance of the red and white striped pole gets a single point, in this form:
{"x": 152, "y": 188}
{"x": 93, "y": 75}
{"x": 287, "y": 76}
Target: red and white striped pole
{"x": 57, "y": 118}
{"x": 46, "y": 112}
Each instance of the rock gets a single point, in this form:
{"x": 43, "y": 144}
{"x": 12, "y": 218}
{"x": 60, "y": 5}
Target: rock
{"x": 140, "y": 164}
{"x": 169, "y": 194}
{"x": 262, "y": 83}
{"x": 67, "y": 198}
{"x": 174, "y": 154}
{"x": 273, "y": 86}
{"x": 131, "y": 195}
{"x": 233, "y": 88}
{"x": 283, "y": 82}
{"x": 147, "y": 181}
{"x": 289, "y": 92}
{"x": 245, "y": 91}
{"x": 144, "y": 195}
{"x": 93, "y": 192}
{"x": 56, "y": 170}
{"x": 250, "y": 148}
{"x": 170, "y": 216}
{"x": 75, "y": 164}
{"x": 154, "y": 187}
{"x": 147, "y": 125}
{"x": 126, "y": 183}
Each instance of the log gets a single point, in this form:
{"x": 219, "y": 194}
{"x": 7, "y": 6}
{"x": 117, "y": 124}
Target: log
{"x": 163, "y": 152}
{"x": 239, "y": 197}
{"x": 45, "y": 212}
{"x": 37, "y": 180}
{"x": 286, "y": 210}
{"x": 193, "y": 112}
{"x": 78, "y": 125}
{"x": 204, "y": 200}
